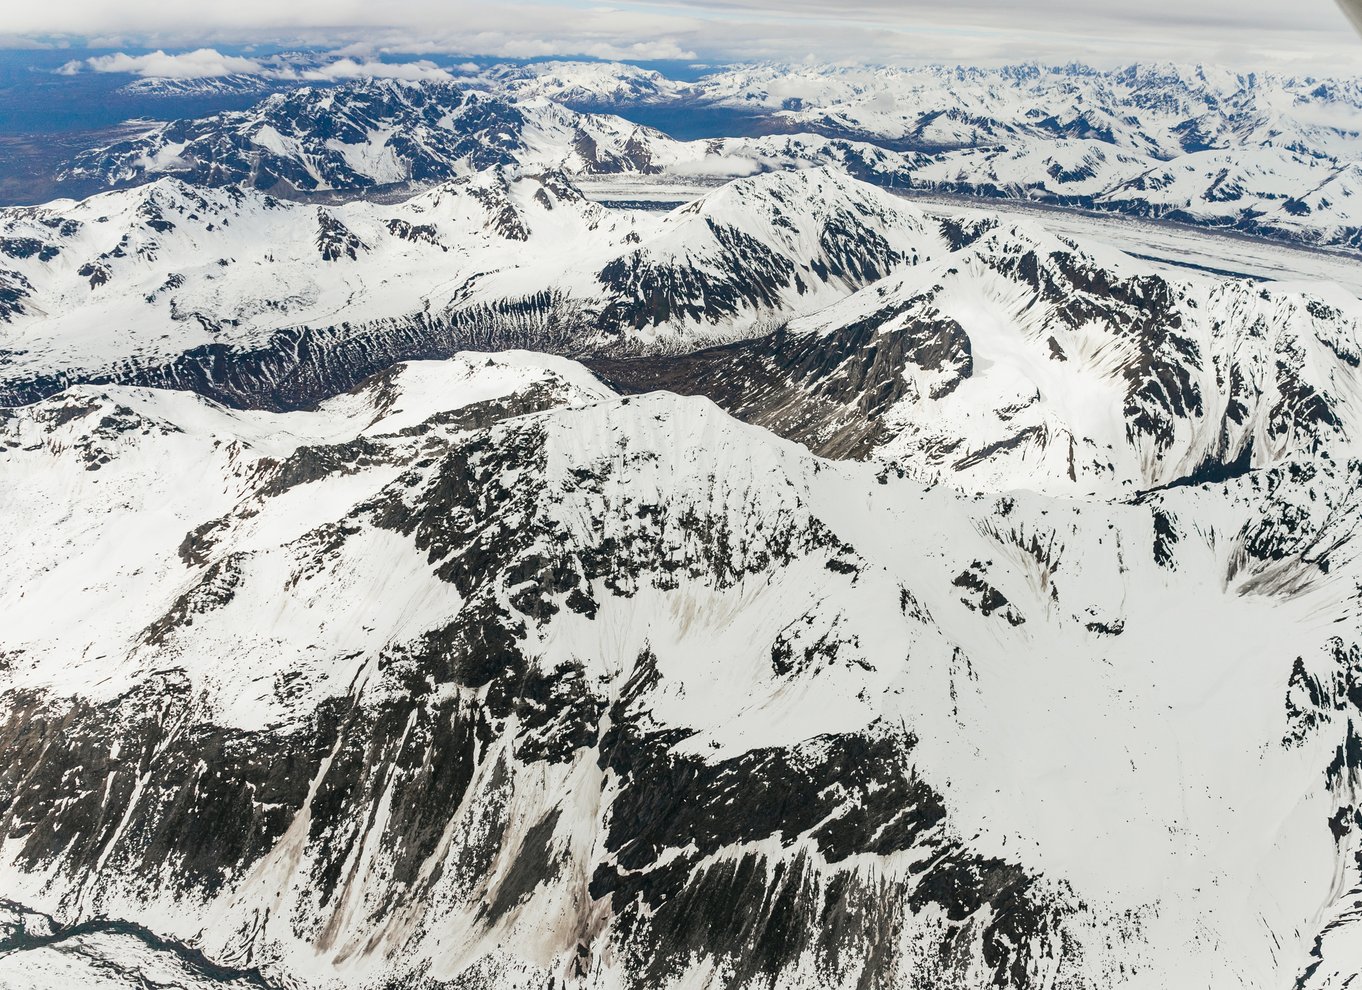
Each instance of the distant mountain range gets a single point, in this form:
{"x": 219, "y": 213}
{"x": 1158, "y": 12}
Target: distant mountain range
{"x": 1263, "y": 155}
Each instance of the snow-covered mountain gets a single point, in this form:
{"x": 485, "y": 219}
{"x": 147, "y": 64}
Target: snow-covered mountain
{"x": 589, "y": 84}
{"x": 1254, "y": 151}
{"x": 1022, "y": 360}
{"x": 370, "y": 136}
{"x": 236, "y": 84}
{"x": 563, "y": 686}
{"x": 1159, "y": 110}
{"x": 365, "y": 134}
{"x": 800, "y": 588}
{"x": 273, "y": 303}
{"x": 1259, "y": 154}
{"x": 183, "y": 284}
{"x": 278, "y": 72}
{"x": 1270, "y": 191}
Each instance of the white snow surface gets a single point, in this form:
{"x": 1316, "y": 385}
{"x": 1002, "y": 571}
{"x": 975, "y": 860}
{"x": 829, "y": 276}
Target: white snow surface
{"x": 1118, "y": 727}
{"x": 1144, "y": 772}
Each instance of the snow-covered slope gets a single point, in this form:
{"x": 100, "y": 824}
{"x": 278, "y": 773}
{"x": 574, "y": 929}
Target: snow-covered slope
{"x": 557, "y": 686}
{"x": 128, "y": 282}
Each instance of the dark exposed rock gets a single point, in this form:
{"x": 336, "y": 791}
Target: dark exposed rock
{"x": 335, "y": 240}
{"x": 98, "y": 274}
{"x": 28, "y": 247}
{"x": 827, "y": 391}
{"x": 673, "y": 812}
{"x": 14, "y": 290}
{"x": 416, "y": 233}
{"x": 1165, "y": 538}
{"x": 983, "y": 597}
{"x": 646, "y": 293}
{"x": 298, "y": 367}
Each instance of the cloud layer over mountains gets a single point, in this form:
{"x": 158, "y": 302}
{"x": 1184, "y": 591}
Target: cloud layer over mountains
{"x": 1255, "y": 31}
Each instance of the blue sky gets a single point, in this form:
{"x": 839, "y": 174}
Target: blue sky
{"x": 1309, "y": 34}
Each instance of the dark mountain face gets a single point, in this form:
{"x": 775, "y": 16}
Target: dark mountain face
{"x": 828, "y": 391}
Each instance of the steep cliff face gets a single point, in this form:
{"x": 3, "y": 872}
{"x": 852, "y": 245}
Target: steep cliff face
{"x": 483, "y": 675}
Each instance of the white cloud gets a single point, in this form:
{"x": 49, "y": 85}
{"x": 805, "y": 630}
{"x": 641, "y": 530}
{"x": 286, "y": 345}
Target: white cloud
{"x": 356, "y": 49}
{"x": 1312, "y": 35}
{"x": 516, "y": 47}
{"x": 348, "y": 68}
{"x": 716, "y": 167}
{"x": 640, "y": 51}
{"x": 207, "y": 63}
{"x": 19, "y": 42}
{"x": 204, "y": 63}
